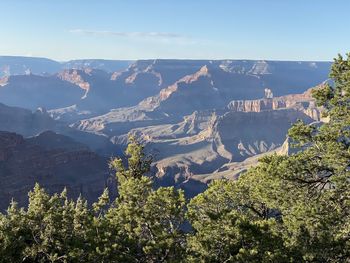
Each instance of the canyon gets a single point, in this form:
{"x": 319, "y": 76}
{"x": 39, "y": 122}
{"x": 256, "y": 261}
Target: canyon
{"x": 199, "y": 119}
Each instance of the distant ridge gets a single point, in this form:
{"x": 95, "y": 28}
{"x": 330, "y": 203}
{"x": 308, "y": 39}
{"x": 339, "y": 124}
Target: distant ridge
{"x": 16, "y": 65}
{"x": 20, "y": 65}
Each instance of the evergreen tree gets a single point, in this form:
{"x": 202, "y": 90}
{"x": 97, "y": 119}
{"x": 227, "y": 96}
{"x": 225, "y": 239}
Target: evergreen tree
{"x": 150, "y": 220}
{"x": 14, "y": 234}
{"x": 232, "y": 225}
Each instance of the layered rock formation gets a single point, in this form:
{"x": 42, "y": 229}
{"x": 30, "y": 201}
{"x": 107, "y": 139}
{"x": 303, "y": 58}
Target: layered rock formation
{"x": 93, "y": 87}
{"x": 240, "y": 135}
{"x": 214, "y": 143}
{"x": 193, "y": 128}
{"x": 75, "y": 77}
{"x": 303, "y": 102}
{"x": 227, "y": 146}
{"x": 28, "y": 123}
{"x": 23, "y": 162}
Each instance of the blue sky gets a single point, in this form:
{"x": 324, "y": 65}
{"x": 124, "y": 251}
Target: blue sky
{"x": 208, "y": 29}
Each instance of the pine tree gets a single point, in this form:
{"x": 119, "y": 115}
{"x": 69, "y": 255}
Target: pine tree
{"x": 14, "y": 234}
{"x": 148, "y": 219}
{"x": 232, "y": 225}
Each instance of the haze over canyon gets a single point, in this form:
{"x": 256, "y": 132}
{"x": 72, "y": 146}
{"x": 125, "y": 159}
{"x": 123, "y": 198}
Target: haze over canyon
{"x": 60, "y": 122}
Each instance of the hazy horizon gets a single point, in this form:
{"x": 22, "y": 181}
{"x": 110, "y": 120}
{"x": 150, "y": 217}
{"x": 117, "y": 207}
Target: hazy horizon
{"x": 194, "y": 59}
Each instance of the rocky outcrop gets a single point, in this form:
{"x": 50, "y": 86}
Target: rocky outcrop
{"x": 288, "y": 101}
{"x": 207, "y": 88}
{"x": 24, "y": 162}
{"x": 240, "y": 135}
{"x": 303, "y": 102}
{"x": 255, "y": 105}
{"x": 74, "y": 76}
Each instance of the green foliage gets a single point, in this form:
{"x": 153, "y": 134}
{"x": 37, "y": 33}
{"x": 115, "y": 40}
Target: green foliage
{"x": 150, "y": 219}
{"x": 287, "y": 209}
{"x": 13, "y": 234}
{"x": 229, "y": 227}
{"x": 53, "y": 229}
{"x": 138, "y": 163}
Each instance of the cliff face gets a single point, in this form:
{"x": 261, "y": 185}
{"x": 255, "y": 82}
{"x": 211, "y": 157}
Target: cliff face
{"x": 208, "y": 88}
{"x": 302, "y": 102}
{"x": 23, "y": 162}
{"x": 240, "y": 135}
{"x": 255, "y": 105}
{"x": 211, "y": 87}
{"x": 74, "y": 76}
{"x": 25, "y": 122}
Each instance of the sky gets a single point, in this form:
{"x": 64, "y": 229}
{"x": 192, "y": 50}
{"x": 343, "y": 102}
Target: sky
{"x": 314, "y": 30}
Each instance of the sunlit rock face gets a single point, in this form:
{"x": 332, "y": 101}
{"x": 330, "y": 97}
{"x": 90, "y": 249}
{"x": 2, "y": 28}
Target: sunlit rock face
{"x": 303, "y": 102}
